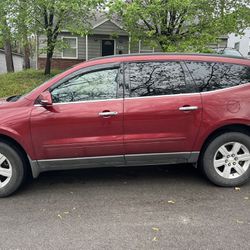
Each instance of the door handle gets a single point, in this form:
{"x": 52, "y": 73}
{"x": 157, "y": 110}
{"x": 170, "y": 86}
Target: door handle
{"x": 188, "y": 108}
{"x": 108, "y": 113}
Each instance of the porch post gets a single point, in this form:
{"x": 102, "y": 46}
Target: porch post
{"x": 129, "y": 44}
{"x": 139, "y": 46}
{"x": 87, "y": 48}
{"x": 37, "y": 50}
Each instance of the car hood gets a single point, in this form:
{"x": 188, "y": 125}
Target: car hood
{"x": 2, "y": 100}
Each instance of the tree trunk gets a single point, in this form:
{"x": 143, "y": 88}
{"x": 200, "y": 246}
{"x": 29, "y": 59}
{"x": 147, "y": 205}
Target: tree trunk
{"x": 7, "y": 47}
{"x": 48, "y": 63}
{"x": 26, "y": 47}
{"x": 51, "y": 40}
{"x": 26, "y": 56}
{"x": 8, "y": 56}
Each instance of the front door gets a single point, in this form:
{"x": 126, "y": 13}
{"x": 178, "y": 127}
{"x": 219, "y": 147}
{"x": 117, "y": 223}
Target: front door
{"x": 162, "y": 115}
{"x": 85, "y": 121}
{"x": 108, "y": 47}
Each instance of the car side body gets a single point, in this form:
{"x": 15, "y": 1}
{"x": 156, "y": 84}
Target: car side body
{"x": 126, "y": 130}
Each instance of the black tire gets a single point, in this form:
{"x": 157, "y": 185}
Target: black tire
{"x": 210, "y": 152}
{"x": 17, "y": 162}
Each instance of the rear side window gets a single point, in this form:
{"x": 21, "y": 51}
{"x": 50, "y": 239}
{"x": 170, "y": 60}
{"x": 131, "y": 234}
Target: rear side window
{"x": 210, "y": 76}
{"x": 157, "y": 78}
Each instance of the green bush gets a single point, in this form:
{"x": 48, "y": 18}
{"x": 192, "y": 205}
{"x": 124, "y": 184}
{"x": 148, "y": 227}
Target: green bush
{"x": 22, "y": 82}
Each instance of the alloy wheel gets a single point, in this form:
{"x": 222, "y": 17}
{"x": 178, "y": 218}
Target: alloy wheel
{"x": 5, "y": 171}
{"x": 232, "y": 160}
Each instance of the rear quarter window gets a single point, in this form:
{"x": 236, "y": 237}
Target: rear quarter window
{"x": 210, "y": 76}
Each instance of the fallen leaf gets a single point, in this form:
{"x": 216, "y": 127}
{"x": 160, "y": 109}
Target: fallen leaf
{"x": 239, "y": 221}
{"x": 154, "y": 239}
{"x": 73, "y": 208}
{"x": 246, "y": 198}
{"x": 66, "y": 212}
{"x": 237, "y": 188}
{"x": 155, "y": 229}
{"x": 59, "y": 216}
{"x": 171, "y": 202}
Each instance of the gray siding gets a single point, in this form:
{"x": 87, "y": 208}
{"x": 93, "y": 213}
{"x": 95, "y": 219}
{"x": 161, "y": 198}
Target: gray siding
{"x": 57, "y": 51}
{"x": 109, "y": 28}
{"x": 94, "y": 45}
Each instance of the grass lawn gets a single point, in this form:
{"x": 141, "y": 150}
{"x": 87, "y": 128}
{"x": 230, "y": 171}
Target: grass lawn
{"x": 22, "y": 82}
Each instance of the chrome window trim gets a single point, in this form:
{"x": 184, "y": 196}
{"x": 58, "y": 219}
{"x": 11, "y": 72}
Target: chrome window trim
{"x": 121, "y": 99}
{"x": 79, "y": 102}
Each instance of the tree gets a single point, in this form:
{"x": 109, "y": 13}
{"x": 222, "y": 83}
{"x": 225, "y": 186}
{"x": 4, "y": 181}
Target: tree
{"x": 50, "y": 17}
{"x": 23, "y": 25}
{"x": 6, "y": 35}
{"x": 183, "y": 25}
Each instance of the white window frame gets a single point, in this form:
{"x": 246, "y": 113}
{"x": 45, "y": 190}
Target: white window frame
{"x": 67, "y": 57}
{"x": 141, "y": 50}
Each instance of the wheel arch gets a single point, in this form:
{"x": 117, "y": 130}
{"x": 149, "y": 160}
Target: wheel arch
{"x": 12, "y": 142}
{"x": 221, "y": 130}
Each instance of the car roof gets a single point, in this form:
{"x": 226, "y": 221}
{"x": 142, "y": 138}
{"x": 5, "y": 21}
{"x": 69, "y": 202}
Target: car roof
{"x": 165, "y": 56}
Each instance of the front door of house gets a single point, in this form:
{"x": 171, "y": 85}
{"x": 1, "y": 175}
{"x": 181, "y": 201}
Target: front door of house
{"x": 108, "y": 47}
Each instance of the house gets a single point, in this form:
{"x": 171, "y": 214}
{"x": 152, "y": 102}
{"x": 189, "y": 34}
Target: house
{"x": 240, "y": 42}
{"x": 17, "y": 60}
{"x": 107, "y": 37}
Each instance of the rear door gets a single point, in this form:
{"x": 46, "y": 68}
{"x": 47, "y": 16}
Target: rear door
{"x": 162, "y": 113}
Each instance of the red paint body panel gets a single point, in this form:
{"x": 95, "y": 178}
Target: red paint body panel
{"x": 143, "y": 125}
{"x": 156, "y": 125}
{"x": 224, "y": 107}
{"x": 15, "y": 123}
{"x": 76, "y": 130}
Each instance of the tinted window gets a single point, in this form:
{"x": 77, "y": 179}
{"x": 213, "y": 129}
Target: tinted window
{"x": 156, "y": 78}
{"x": 97, "y": 85}
{"x": 211, "y": 76}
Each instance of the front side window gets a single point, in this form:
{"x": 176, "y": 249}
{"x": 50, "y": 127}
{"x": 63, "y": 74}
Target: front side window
{"x": 71, "y": 50}
{"x": 212, "y": 76}
{"x": 98, "y": 85}
{"x": 156, "y": 78}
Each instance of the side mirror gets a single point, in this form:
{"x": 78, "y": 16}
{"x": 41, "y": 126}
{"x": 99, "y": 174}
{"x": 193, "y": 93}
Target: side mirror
{"x": 45, "y": 99}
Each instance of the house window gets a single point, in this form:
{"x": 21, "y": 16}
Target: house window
{"x": 144, "y": 48}
{"x": 237, "y": 46}
{"x": 71, "y": 50}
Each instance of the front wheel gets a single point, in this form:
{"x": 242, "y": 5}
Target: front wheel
{"x": 226, "y": 160}
{"x": 12, "y": 169}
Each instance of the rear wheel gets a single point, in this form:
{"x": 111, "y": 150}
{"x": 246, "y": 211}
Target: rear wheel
{"x": 226, "y": 160}
{"x": 12, "y": 169}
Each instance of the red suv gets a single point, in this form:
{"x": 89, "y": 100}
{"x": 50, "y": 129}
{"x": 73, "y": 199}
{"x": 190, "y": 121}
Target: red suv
{"x": 132, "y": 110}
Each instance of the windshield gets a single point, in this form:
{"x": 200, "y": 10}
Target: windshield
{"x": 231, "y": 53}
